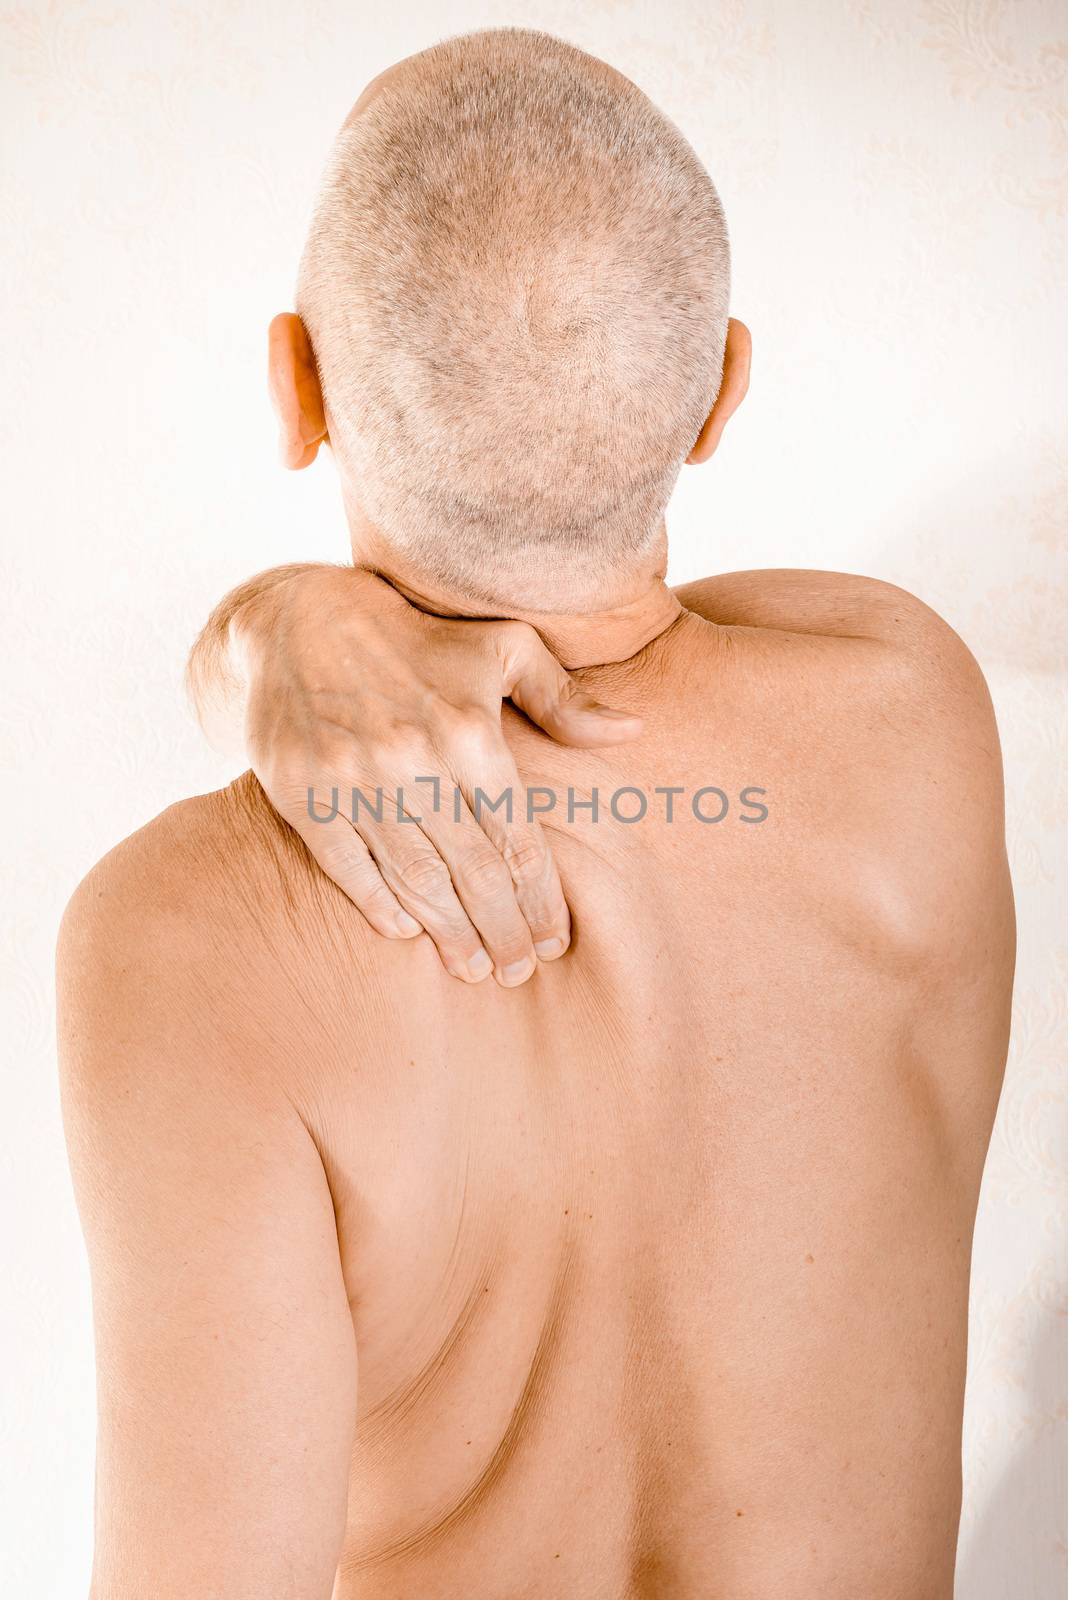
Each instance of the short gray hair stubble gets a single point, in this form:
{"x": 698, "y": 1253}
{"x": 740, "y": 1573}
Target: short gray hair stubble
{"x": 516, "y": 285}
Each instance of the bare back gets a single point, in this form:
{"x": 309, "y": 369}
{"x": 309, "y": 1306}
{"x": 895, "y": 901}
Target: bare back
{"x": 657, "y": 1267}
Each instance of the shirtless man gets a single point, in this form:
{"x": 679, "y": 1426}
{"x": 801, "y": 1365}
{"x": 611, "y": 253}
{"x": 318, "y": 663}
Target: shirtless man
{"x": 646, "y": 1276}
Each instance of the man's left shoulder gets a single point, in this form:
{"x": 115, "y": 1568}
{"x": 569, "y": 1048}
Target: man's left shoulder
{"x": 181, "y": 921}
{"x": 167, "y": 885}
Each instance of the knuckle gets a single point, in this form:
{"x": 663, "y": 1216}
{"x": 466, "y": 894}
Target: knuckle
{"x": 510, "y": 943}
{"x": 344, "y": 860}
{"x": 485, "y": 875}
{"x": 453, "y": 937}
{"x": 398, "y": 751}
{"x": 470, "y": 732}
{"x": 375, "y": 895}
{"x": 516, "y": 638}
{"x": 331, "y": 756}
{"x": 425, "y": 876}
{"x": 526, "y": 858}
{"x": 450, "y": 929}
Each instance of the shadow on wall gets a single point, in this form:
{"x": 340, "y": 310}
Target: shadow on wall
{"x": 1015, "y": 1518}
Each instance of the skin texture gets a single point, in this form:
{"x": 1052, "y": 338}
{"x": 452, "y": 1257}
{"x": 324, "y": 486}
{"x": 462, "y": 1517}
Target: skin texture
{"x": 645, "y": 1278}
{"x": 488, "y": 894}
{"x": 347, "y": 686}
{"x": 515, "y": 280}
{"x": 648, "y": 1278}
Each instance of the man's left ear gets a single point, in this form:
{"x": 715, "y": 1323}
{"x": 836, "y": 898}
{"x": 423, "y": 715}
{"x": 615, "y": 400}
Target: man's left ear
{"x": 736, "y": 358}
{"x": 295, "y": 391}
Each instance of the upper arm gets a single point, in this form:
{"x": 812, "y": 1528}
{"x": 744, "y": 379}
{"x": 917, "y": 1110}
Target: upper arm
{"x": 225, "y": 1351}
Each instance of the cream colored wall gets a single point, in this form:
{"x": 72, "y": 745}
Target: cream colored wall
{"x": 896, "y": 178}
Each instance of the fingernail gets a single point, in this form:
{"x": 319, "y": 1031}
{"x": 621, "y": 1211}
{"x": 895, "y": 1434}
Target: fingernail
{"x": 517, "y": 972}
{"x": 549, "y": 949}
{"x": 479, "y": 966}
{"x": 406, "y": 926}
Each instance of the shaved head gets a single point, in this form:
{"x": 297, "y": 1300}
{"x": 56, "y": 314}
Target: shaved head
{"x": 515, "y": 285}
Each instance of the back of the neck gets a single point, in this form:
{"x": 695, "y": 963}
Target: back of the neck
{"x": 625, "y": 612}
{"x": 577, "y": 638}
{"x": 616, "y": 634}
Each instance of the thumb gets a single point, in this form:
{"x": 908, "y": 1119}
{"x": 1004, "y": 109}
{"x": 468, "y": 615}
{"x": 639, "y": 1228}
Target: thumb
{"x": 540, "y": 687}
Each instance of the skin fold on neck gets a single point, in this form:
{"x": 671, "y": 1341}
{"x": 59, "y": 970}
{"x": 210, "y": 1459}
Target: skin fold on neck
{"x": 637, "y": 609}
{"x": 589, "y": 639}
{"x": 615, "y": 623}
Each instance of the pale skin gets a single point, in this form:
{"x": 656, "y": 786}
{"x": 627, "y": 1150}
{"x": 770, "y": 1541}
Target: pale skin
{"x": 487, "y": 893}
{"x": 644, "y": 1275}
{"x": 648, "y": 1277}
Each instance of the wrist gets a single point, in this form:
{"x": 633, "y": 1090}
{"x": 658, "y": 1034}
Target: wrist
{"x": 296, "y": 603}
{"x": 315, "y": 621}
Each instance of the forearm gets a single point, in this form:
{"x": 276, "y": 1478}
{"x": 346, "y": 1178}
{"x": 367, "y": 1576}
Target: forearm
{"x": 217, "y": 677}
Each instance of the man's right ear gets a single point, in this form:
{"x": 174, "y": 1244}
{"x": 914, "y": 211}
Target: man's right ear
{"x": 295, "y": 391}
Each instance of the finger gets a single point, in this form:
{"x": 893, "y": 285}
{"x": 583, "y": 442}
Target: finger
{"x": 483, "y": 883}
{"x": 548, "y": 695}
{"x": 343, "y": 856}
{"x": 420, "y": 879}
{"x": 495, "y": 796}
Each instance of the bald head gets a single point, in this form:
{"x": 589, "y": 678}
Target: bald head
{"x": 515, "y": 285}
